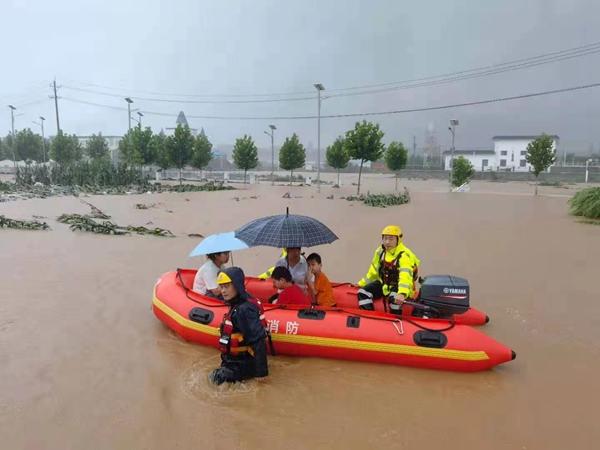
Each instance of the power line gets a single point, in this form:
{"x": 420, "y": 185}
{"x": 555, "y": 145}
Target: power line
{"x": 362, "y": 114}
{"x": 163, "y": 100}
{"x": 492, "y": 69}
{"x": 558, "y": 53}
{"x": 470, "y": 76}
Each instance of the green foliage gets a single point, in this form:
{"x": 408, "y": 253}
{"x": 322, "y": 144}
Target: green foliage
{"x": 337, "y": 156}
{"x": 137, "y": 147}
{"x": 7, "y": 147}
{"x": 586, "y": 203}
{"x": 94, "y": 173}
{"x": 245, "y": 155}
{"x": 292, "y": 154}
{"x": 65, "y": 149}
{"x": 6, "y": 222}
{"x": 29, "y": 146}
{"x": 97, "y": 147}
{"x": 382, "y": 200}
{"x": 462, "y": 171}
{"x": 540, "y": 154}
{"x": 180, "y": 146}
{"x": 202, "y": 151}
{"x": 396, "y": 157}
{"x": 364, "y": 143}
{"x": 159, "y": 148}
{"x": 3, "y": 154}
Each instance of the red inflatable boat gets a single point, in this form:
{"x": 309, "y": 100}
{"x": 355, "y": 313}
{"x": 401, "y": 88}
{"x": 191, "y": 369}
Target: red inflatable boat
{"x": 345, "y": 295}
{"x": 339, "y": 333}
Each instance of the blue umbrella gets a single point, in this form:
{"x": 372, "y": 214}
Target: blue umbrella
{"x": 285, "y": 230}
{"x": 216, "y": 243}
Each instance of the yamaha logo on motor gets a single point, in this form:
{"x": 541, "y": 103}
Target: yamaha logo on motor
{"x": 454, "y": 291}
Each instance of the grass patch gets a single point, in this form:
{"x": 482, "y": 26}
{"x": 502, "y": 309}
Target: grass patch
{"x": 586, "y": 203}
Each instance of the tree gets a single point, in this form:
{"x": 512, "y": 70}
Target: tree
{"x": 202, "y": 151}
{"x": 292, "y": 155}
{"x": 97, "y": 147}
{"x": 65, "y": 149}
{"x": 2, "y": 150}
{"x": 136, "y": 147}
{"x": 7, "y": 144}
{"x": 245, "y": 154}
{"x": 462, "y": 171}
{"x": 337, "y": 156}
{"x": 161, "y": 155}
{"x": 29, "y": 146}
{"x": 541, "y": 155}
{"x": 396, "y": 157}
{"x": 179, "y": 147}
{"x": 364, "y": 143}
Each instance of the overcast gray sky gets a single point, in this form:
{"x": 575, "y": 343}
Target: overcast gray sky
{"x": 265, "y": 46}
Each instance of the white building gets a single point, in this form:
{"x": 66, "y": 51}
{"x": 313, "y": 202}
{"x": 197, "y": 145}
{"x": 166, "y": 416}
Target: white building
{"x": 508, "y": 154}
{"x": 482, "y": 160}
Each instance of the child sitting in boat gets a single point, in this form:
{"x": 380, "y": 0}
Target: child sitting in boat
{"x": 321, "y": 285}
{"x": 289, "y": 292}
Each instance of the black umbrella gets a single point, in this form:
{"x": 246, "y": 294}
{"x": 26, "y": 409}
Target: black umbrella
{"x": 285, "y": 230}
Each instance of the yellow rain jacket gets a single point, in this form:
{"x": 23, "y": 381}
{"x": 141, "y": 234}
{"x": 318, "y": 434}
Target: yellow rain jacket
{"x": 407, "y": 264}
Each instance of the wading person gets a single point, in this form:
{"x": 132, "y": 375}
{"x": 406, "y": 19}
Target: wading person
{"x": 243, "y": 332}
{"x": 392, "y": 273}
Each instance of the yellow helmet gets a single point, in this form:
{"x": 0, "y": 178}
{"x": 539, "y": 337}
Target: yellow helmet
{"x": 392, "y": 230}
{"x": 223, "y": 278}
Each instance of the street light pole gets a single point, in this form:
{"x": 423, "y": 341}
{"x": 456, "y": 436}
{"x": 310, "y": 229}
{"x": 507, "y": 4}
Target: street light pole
{"x": 12, "y": 126}
{"x": 140, "y": 120}
{"x": 319, "y": 88}
{"x": 129, "y": 102}
{"x": 272, "y": 134}
{"x": 587, "y": 164}
{"x": 452, "y": 128}
{"x": 41, "y": 124}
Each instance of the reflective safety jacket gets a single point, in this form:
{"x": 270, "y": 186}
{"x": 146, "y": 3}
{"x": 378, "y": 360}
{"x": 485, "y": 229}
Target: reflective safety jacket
{"x": 396, "y": 270}
{"x": 242, "y": 327}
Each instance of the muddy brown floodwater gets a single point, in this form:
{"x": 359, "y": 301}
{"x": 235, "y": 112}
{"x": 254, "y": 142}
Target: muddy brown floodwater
{"x": 85, "y": 364}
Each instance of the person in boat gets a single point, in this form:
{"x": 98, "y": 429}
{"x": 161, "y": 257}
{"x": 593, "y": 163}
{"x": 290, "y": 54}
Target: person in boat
{"x": 322, "y": 290}
{"x": 289, "y": 292}
{"x": 392, "y": 273}
{"x": 295, "y": 262}
{"x": 243, "y": 332}
{"x": 267, "y": 273}
{"x": 205, "y": 281}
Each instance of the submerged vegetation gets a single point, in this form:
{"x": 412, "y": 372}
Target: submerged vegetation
{"x": 6, "y": 222}
{"x": 382, "y": 200}
{"x": 78, "y": 222}
{"x": 586, "y": 203}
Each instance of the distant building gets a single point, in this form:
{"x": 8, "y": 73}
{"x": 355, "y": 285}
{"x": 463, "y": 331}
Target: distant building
{"x": 182, "y": 120}
{"x": 508, "y": 154}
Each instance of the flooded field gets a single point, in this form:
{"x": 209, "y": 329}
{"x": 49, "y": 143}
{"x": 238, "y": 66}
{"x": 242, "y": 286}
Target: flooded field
{"x": 85, "y": 364}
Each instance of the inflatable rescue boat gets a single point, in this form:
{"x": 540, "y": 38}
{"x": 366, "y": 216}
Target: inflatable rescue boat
{"x": 440, "y": 297}
{"x": 338, "y": 332}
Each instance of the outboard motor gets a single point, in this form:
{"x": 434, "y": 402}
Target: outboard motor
{"x": 445, "y": 295}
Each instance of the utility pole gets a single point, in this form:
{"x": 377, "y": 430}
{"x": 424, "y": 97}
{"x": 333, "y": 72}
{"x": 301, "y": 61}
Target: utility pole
{"x": 452, "y": 128}
{"x": 319, "y": 88}
{"x": 129, "y": 102}
{"x": 140, "y": 121}
{"x": 14, "y": 141}
{"x": 56, "y": 106}
{"x": 272, "y": 134}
